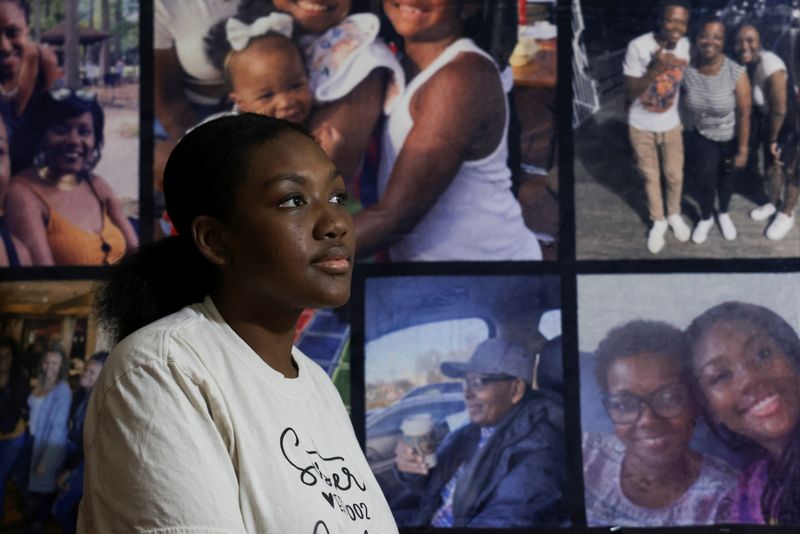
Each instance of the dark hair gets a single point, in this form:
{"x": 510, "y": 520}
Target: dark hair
{"x": 201, "y": 177}
{"x": 49, "y": 110}
{"x": 63, "y": 370}
{"x": 780, "y": 500}
{"x": 98, "y": 357}
{"x": 638, "y": 337}
{"x": 9, "y": 342}
{"x": 664, "y": 4}
{"x": 216, "y": 42}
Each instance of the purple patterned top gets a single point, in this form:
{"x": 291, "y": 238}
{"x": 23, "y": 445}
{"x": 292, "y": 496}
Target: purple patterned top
{"x": 749, "y": 488}
{"x": 707, "y": 501}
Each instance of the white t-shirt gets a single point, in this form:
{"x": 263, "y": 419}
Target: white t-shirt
{"x": 183, "y": 24}
{"x": 189, "y": 431}
{"x": 656, "y": 110}
{"x": 770, "y": 64}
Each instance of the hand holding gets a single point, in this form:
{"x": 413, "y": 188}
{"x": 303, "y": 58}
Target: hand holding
{"x": 409, "y": 460}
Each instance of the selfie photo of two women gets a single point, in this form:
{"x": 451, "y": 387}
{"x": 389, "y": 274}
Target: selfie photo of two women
{"x": 377, "y": 266}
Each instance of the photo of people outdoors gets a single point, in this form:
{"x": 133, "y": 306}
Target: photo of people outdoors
{"x": 689, "y": 399}
{"x": 448, "y": 151}
{"x": 69, "y": 135}
{"x": 698, "y": 99}
{"x": 464, "y": 400}
{"x": 51, "y": 353}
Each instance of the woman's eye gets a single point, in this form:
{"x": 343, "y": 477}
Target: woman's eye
{"x": 339, "y": 198}
{"x": 719, "y": 377}
{"x": 85, "y": 132}
{"x": 267, "y": 96}
{"x": 292, "y": 202}
{"x": 764, "y": 353}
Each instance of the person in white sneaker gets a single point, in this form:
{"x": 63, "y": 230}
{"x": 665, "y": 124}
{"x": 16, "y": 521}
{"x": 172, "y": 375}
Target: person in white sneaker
{"x": 653, "y": 68}
{"x": 717, "y": 101}
{"x": 775, "y": 130}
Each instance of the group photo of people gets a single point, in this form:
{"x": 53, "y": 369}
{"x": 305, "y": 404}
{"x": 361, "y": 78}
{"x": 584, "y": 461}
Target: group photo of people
{"x": 464, "y": 400}
{"x": 51, "y": 354}
{"x": 419, "y": 116}
{"x": 701, "y": 99}
{"x": 69, "y": 138}
{"x": 689, "y": 400}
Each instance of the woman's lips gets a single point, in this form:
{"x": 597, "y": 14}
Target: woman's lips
{"x": 657, "y": 442}
{"x": 766, "y": 407}
{"x": 333, "y": 265}
{"x": 313, "y": 7}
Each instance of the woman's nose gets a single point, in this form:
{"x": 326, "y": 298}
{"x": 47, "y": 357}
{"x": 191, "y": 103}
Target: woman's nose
{"x": 334, "y": 222}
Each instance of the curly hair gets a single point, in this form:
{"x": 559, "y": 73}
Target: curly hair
{"x": 638, "y": 337}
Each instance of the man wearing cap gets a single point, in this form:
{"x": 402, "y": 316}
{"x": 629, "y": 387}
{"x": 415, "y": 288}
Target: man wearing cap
{"x": 506, "y": 468}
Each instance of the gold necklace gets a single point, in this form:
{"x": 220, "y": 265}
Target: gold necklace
{"x": 65, "y": 182}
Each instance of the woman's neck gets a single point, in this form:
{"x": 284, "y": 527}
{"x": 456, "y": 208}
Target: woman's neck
{"x": 420, "y": 54}
{"x": 710, "y": 64}
{"x": 269, "y": 332}
{"x": 61, "y": 181}
{"x": 654, "y": 486}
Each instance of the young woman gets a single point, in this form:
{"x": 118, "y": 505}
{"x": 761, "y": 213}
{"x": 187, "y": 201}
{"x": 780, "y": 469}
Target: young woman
{"x": 14, "y": 389}
{"x": 205, "y": 417}
{"x": 646, "y": 474}
{"x": 774, "y": 130}
{"x": 717, "y": 102}
{"x": 745, "y": 360}
{"x": 62, "y": 212}
{"x": 444, "y": 182}
{"x": 48, "y": 408}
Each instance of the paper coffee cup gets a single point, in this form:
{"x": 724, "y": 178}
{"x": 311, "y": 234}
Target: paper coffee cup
{"x": 418, "y": 431}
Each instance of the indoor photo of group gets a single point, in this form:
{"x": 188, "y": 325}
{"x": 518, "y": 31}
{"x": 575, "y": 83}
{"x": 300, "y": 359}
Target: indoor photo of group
{"x": 69, "y": 181}
{"x": 448, "y": 151}
{"x": 701, "y": 100}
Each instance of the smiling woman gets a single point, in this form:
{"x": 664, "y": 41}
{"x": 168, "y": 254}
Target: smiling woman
{"x": 745, "y": 361}
{"x": 646, "y": 474}
{"x": 210, "y": 316}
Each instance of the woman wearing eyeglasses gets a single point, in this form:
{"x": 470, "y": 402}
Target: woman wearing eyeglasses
{"x": 645, "y": 474}
{"x": 62, "y": 212}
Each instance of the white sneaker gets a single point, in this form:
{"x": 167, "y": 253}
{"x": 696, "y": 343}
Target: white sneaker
{"x": 679, "y": 227}
{"x": 763, "y": 212}
{"x": 780, "y": 226}
{"x": 727, "y": 227}
{"x": 655, "y": 237}
{"x": 700, "y": 233}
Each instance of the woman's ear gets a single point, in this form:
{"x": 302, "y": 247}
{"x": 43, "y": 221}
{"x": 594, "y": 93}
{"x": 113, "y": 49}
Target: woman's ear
{"x": 209, "y": 236}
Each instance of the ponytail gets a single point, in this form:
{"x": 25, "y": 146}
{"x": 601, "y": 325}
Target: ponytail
{"x": 158, "y": 279}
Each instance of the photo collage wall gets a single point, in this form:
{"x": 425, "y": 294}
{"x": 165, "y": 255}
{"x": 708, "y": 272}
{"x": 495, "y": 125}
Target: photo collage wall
{"x": 576, "y": 301}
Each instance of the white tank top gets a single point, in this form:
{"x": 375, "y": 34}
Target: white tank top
{"x": 477, "y": 217}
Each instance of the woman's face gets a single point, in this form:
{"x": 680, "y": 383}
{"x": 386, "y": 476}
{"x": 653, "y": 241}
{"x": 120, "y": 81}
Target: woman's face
{"x": 69, "y": 144}
{"x": 315, "y": 16}
{"x": 290, "y": 238}
{"x": 51, "y": 365}
{"x": 654, "y": 439}
{"x": 425, "y": 20}
{"x": 748, "y": 44}
{"x": 711, "y": 40}
{"x": 90, "y": 374}
{"x": 13, "y": 36}
{"x": 674, "y": 24}
{"x": 749, "y": 383}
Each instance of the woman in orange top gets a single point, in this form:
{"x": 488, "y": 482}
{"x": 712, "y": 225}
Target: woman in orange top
{"x": 64, "y": 214}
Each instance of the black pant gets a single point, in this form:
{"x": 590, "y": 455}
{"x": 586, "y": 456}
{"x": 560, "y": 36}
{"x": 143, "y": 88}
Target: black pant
{"x": 711, "y": 163}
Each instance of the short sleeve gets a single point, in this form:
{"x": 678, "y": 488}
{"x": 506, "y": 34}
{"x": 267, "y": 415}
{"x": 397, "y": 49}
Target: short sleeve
{"x": 157, "y": 457}
{"x": 162, "y": 22}
{"x": 771, "y": 64}
{"x": 633, "y": 65}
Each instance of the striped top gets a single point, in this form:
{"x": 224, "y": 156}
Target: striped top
{"x": 709, "y": 102}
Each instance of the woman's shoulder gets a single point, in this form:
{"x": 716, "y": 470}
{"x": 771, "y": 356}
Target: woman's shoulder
{"x": 771, "y": 63}
{"x": 736, "y": 69}
{"x": 23, "y": 189}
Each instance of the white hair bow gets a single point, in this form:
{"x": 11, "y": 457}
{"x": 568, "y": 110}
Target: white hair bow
{"x": 239, "y": 33}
